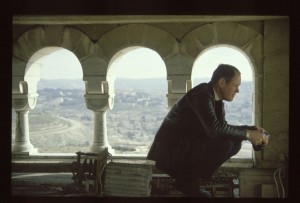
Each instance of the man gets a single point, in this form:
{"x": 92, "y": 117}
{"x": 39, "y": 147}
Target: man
{"x": 195, "y": 139}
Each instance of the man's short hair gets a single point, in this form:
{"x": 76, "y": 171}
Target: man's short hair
{"x": 225, "y": 71}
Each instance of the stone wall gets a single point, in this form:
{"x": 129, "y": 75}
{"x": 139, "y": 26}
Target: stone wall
{"x": 276, "y": 91}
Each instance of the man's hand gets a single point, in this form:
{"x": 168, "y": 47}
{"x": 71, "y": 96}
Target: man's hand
{"x": 258, "y": 136}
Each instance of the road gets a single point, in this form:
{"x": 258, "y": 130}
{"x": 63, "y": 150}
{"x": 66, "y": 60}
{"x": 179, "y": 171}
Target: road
{"x": 71, "y": 125}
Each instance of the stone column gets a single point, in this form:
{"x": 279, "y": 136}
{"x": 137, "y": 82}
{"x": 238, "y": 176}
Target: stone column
{"x": 99, "y": 103}
{"x": 179, "y": 68}
{"x": 100, "y": 132}
{"x": 22, "y": 103}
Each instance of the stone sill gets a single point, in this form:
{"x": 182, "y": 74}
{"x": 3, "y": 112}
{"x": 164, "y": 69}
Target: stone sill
{"x": 61, "y": 162}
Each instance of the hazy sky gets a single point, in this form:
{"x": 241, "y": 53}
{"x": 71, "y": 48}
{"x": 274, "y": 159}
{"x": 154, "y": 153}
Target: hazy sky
{"x": 61, "y": 64}
{"x": 207, "y": 62}
{"x": 145, "y": 63}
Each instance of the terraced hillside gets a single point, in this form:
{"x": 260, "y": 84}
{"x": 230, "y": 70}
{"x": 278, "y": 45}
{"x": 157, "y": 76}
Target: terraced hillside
{"x": 57, "y": 134}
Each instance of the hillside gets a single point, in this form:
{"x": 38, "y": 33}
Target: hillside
{"x": 61, "y": 122}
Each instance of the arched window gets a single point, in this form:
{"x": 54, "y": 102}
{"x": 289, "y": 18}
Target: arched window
{"x": 239, "y": 111}
{"x": 140, "y": 102}
{"x": 60, "y": 121}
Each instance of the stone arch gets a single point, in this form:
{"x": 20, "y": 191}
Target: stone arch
{"x": 237, "y": 49}
{"x": 48, "y": 36}
{"x": 29, "y": 48}
{"x": 106, "y": 51}
{"x": 248, "y": 40}
{"x": 240, "y": 36}
{"x": 133, "y": 35}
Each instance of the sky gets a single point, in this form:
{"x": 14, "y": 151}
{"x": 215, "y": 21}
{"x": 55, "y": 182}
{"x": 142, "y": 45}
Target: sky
{"x": 145, "y": 63}
{"x": 61, "y": 64}
{"x": 207, "y": 62}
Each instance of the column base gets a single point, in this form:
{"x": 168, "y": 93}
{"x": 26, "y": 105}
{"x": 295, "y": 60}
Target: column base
{"x": 95, "y": 148}
{"x": 23, "y": 149}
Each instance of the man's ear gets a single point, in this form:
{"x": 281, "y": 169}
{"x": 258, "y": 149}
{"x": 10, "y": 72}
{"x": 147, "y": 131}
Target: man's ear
{"x": 221, "y": 82}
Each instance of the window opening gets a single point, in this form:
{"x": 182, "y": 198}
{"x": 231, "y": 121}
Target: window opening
{"x": 140, "y": 102}
{"x": 239, "y": 111}
{"x": 60, "y": 121}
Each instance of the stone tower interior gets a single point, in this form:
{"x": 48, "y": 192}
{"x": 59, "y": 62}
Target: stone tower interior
{"x": 97, "y": 42}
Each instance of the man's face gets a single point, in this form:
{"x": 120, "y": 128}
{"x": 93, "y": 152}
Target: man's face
{"x": 228, "y": 90}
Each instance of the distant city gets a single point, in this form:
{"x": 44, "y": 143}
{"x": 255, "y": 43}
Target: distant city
{"x": 61, "y": 122}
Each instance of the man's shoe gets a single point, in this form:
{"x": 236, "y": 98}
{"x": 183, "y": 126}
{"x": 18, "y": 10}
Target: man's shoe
{"x": 192, "y": 189}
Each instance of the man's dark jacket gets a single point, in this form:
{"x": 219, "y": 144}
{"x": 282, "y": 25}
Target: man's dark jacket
{"x": 192, "y": 121}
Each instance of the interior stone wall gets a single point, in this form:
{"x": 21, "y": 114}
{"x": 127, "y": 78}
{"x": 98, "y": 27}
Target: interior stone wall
{"x": 276, "y": 91}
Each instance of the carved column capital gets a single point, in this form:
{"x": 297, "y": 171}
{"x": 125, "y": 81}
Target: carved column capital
{"x": 24, "y": 102}
{"x": 99, "y": 102}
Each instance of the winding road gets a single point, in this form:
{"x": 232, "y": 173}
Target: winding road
{"x": 71, "y": 125}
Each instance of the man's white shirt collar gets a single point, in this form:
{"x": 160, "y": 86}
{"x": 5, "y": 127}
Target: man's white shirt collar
{"x": 216, "y": 95}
